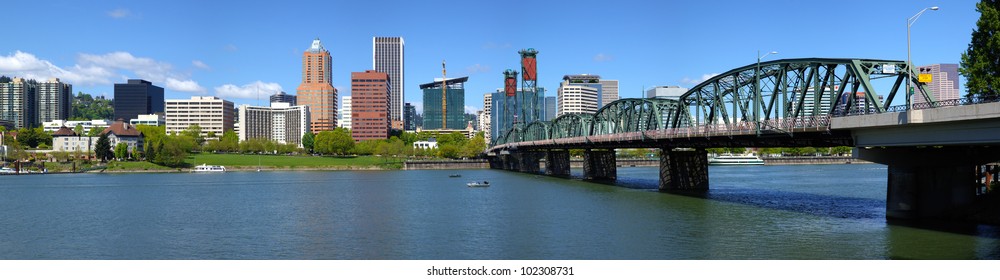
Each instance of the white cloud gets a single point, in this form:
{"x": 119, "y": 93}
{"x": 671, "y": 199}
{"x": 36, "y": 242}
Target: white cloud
{"x": 601, "y": 57}
{"x": 26, "y": 65}
{"x": 200, "y": 64}
{"x": 248, "y": 91}
{"x": 119, "y": 13}
{"x": 185, "y": 86}
{"x": 703, "y": 78}
{"x": 477, "y": 68}
{"x": 94, "y": 69}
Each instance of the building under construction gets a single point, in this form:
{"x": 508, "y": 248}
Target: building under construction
{"x": 450, "y": 116}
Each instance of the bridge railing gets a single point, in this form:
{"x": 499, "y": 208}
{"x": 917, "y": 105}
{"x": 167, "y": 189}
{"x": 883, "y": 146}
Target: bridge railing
{"x": 919, "y": 106}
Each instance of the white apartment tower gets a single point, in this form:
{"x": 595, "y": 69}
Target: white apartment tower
{"x": 54, "y": 100}
{"x": 484, "y": 117}
{"x": 345, "y": 112}
{"x": 211, "y": 113}
{"x": 576, "y": 99}
{"x": 281, "y": 123}
{"x": 387, "y": 57}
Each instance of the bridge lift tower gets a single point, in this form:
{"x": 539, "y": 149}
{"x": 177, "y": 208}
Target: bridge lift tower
{"x": 510, "y": 107}
{"x": 530, "y": 108}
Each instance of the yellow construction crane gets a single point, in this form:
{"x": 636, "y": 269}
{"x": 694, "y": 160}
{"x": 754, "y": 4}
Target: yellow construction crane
{"x": 444, "y": 97}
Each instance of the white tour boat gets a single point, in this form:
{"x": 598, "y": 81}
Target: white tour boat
{"x": 209, "y": 168}
{"x": 735, "y": 160}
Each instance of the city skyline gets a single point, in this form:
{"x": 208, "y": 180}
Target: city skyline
{"x": 648, "y": 44}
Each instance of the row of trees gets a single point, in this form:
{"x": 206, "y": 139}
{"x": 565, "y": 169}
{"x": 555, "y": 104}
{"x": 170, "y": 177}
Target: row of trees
{"x": 340, "y": 142}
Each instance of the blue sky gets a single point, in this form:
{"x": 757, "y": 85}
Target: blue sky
{"x": 229, "y": 48}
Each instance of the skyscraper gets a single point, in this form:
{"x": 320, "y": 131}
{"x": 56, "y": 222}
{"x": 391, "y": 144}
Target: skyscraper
{"x": 550, "y": 108}
{"x": 54, "y": 100}
{"x": 137, "y": 97}
{"x": 210, "y": 113}
{"x": 486, "y": 119}
{"x": 609, "y": 91}
{"x": 283, "y": 97}
{"x": 369, "y": 105}
{"x": 944, "y": 83}
{"x": 316, "y": 90}
{"x": 17, "y": 103}
{"x": 387, "y": 57}
{"x": 281, "y": 123}
{"x": 455, "y": 113}
{"x": 409, "y": 117}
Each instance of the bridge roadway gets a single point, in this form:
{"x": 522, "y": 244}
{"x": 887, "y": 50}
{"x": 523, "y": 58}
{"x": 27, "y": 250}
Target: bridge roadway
{"x": 933, "y": 151}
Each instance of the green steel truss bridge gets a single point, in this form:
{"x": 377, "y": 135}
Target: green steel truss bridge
{"x": 759, "y": 106}
{"x": 935, "y": 151}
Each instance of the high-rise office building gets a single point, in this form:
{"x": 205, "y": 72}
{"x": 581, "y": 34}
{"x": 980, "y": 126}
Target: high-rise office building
{"x": 55, "y": 100}
{"x": 453, "y": 117}
{"x": 345, "y": 112}
{"x": 587, "y": 80}
{"x": 137, "y": 97}
{"x": 387, "y": 57}
{"x": 17, "y": 103}
{"x": 609, "y": 91}
{"x": 283, "y": 97}
{"x": 577, "y": 99}
{"x": 943, "y": 85}
{"x": 370, "y": 105}
{"x": 409, "y": 117}
{"x": 486, "y": 118}
{"x": 666, "y": 92}
{"x": 316, "y": 90}
{"x": 281, "y": 123}
{"x": 210, "y": 113}
{"x": 550, "y": 108}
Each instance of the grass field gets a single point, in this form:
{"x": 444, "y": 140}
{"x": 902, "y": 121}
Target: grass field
{"x": 135, "y": 165}
{"x": 282, "y": 161}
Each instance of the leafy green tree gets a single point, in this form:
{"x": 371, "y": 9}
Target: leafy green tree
{"x": 194, "y": 132}
{"x": 841, "y": 150}
{"x": 308, "y": 139}
{"x": 341, "y": 141}
{"x": 96, "y": 131}
{"x": 366, "y": 147}
{"x": 809, "y": 151}
{"x": 979, "y": 64}
{"x": 86, "y": 107}
{"x": 78, "y": 129}
{"x": 736, "y": 150}
{"x": 448, "y": 151}
{"x": 121, "y": 151}
{"x": 170, "y": 152}
{"x": 477, "y": 145}
{"x": 103, "y": 147}
{"x": 230, "y": 141}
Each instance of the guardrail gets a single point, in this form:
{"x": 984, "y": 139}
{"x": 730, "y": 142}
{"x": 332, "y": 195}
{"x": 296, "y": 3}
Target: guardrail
{"x": 919, "y": 106}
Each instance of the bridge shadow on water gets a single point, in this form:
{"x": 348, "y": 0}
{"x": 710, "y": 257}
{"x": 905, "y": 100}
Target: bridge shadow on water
{"x": 813, "y": 204}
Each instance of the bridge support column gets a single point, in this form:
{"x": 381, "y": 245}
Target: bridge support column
{"x": 600, "y": 165}
{"x": 683, "y": 170}
{"x": 528, "y": 161}
{"x": 495, "y": 162}
{"x": 510, "y": 162}
{"x": 931, "y": 183}
{"x": 557, "y": 163}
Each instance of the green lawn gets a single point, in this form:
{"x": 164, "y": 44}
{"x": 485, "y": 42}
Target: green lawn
{"x": 281, "y": 161}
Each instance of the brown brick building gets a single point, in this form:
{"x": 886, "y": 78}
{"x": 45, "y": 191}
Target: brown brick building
{"x": 370, "y": 105}
{"x": 316, "y": 90}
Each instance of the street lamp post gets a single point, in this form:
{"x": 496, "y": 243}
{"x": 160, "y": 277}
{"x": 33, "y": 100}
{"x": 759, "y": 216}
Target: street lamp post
{"x": 757, "y": 97}
{"x": 909, "y": 63}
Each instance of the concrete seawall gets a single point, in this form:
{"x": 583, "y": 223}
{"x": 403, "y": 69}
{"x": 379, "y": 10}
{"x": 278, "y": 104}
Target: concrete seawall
{"x": 446, "y": 164}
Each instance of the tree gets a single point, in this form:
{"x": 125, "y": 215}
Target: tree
{"x": 979, "y": 62}
{"x": 194, "y": 131}
{"x": 308, "y": 139}
{"x": 170, "y": 152}
{"x": 103, "y": 147}
{"x": 121, "y": 151}
{"x": 341, "y": 142}
{"x": 476, "y": 146}
{"x": 841, "y": 150}
{"x": 95, "y": 131}
{"x": 78, "y": 129}
{"x": 230, "y": 141}
{"x": 448, "y": 151}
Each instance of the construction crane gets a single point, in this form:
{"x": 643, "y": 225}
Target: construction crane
{"x": 444, "y": 97}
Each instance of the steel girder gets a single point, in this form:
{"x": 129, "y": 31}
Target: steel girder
{"x": 633, "y": 115}
{"x": 538, "y": 130}
{"x": 571, "y": 125}
{"x": 790, "y": 89}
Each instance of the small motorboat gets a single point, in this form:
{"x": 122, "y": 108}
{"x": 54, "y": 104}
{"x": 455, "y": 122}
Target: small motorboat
{"x": 478, "y": 184}
{"x": 455, "y": 175}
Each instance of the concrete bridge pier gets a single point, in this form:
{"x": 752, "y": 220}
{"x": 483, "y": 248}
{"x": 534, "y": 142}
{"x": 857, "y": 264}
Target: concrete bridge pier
{"x": 600, "y": 165}
{"x": 495, "y": 162}
{"x": 557, "y": 163}
{"x": 528, "y": 161}
{"x": 931, "y": 183}
{"x": 683, "y": 170}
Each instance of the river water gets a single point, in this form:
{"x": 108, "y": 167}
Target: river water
{"x": 756, "y": 212}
